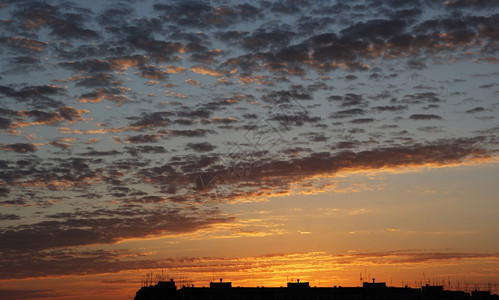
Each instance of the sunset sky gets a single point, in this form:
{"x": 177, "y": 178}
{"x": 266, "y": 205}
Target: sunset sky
{"x": 259, "y": 142}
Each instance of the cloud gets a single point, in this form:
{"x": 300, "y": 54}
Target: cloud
{"x": 4, "y": 191}
{"x": 93, "y": 152}
{"x": 285, "y": 7}
{"x": 33, "y": 15}
{"x": 263, "y": 175}
{"x": 298, "y": 169}
{"x": 70, "y": 174}
{"x": 202, "y": 15}
{"x": 416, "y": 64}
{"x": 37, "y": 117}
{"x": 185, "y": 121}
{"x": 374, "y": 29}
{"x": 408, "y": 257}
{"x": 4, "y": 123}
{"x": 161, "y": 51}
{"x": 205, "y": 56}
{"x": 290, "y": 118}
{"x": 19, "y": 147}
{"x": 475, "y": 110}
{"x": 151, "y": 72}
{"x": 247, "y": 11}
{"x": 187, "y": 133}
{"x": 39, "y": 96}
{"x": 193, "y": 82}
{"x": 424, "y": 117}
{"x": 201, "y": 147}
{"x": 24, "y": 45}
{"x": 60, "y": 145}
{"x": 146, "y": 138}
{"x": 381, "y": 38}
{"x": 104, "y": 227}
{"x": 122, "y": 63}
{"x": 351, "y": 77}
{"x": 487, "y": 4}
{"x": 362, "y": 121}
{"x": 220, "y": 120}
{"x": 115, "y": 15}
{"x": 348, "y": 113}
{"x": 429, "y": 129}
{"x": 55, "y": 262}
{"x": 89, "y": 65}
{"x": 439, "y": 153}
{"x": 26, "y": 294}
{"x": 135, "y": 151}
{"x": 152, "y": 120}
{"x": 9, "y": 217}
{"x": 113, "y": 94}
{"x": 391, "y": 108}
{"x": 283, "y": 97}
{"x": 231, "y": 35}
{"x": 206, "y": 71}
{"x": 349, "y": 99}
{"x": 262, "y": 39}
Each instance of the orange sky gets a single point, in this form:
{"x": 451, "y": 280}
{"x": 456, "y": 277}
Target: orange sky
{"x": 387, "y": 225}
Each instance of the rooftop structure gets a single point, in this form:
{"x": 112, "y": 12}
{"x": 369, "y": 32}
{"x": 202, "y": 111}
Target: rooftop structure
{"x": 302, "y": 291}
{"x": 298, "y": 284}
{"x": 220, "y": 285}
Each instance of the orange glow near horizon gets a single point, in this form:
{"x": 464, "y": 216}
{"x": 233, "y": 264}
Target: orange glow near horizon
{"x": 266, "y": 246}
{"x": 318, "y": 268}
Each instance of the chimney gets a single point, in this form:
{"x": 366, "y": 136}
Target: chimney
{"x": 220, "y": 280}
{"x": 298, "y": 280}
{"x": 373, "y": 279}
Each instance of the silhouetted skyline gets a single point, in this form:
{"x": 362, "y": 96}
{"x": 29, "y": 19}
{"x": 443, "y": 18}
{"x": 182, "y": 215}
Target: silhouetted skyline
{"x": 302, "y": 290}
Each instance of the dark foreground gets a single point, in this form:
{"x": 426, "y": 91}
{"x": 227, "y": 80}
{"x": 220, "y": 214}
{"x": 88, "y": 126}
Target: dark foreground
{"x": 166, "y": 290}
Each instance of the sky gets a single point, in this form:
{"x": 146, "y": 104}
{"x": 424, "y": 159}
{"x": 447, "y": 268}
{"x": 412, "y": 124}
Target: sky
{"x": 260, "y": 142}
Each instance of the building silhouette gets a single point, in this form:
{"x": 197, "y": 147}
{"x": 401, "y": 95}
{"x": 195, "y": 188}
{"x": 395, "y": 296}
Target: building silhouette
{"x": 167, "y": 290}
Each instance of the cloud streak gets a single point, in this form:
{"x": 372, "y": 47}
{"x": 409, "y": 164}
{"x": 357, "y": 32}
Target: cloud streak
{"x": 95, "y": 262}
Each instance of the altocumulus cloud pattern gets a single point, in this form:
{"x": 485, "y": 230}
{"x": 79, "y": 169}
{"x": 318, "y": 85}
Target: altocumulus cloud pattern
{"x": 124, "y": 120}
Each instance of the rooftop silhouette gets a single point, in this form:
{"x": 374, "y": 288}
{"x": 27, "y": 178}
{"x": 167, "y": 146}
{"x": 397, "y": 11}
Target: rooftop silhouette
{"x": 166, "y": 290}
